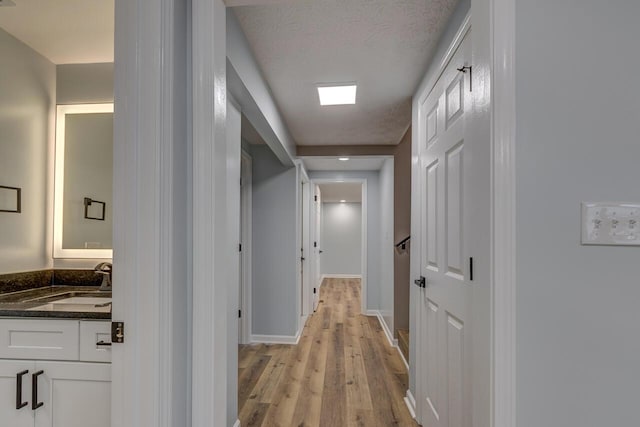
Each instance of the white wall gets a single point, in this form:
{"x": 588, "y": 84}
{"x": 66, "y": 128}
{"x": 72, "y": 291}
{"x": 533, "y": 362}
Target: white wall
{"x": 275, "y": 251}
{"x": 341, "y": 237}
{"x": 387, "y": 255}
{"x": 578, "y": 127}
{"x": 27, "y": 113}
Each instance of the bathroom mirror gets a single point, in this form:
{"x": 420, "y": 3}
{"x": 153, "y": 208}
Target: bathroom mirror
{"x": 83, "y": 181}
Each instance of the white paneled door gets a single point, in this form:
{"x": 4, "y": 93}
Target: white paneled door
{"x": 445, "y": 310}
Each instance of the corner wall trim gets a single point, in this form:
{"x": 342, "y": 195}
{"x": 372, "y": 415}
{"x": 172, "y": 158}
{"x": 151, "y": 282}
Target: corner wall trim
{"x": 503, "y": 322}
{"x": 410, "y": 401}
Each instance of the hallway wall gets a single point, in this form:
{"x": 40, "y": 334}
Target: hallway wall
{"x": 576, "y": 141}
{"x": 341, "y": 238}
{"x": 274, "y": 249}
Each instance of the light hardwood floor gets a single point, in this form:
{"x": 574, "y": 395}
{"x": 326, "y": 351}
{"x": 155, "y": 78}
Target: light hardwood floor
{"x": 343, "y": 372}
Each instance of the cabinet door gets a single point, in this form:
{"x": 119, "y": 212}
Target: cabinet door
{"x": 9, "y": 415}
{"x": 74, "y": 394}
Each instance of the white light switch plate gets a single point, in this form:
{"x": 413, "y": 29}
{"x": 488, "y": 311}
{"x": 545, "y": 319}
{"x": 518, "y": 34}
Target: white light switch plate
{"x": 616, "y": 224}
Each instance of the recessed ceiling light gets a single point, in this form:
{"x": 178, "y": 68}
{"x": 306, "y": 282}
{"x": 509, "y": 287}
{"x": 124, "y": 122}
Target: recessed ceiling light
{"x": 343, "y": 159}
{"x": 343, "y": 201}
{"x": 337, "y": 95}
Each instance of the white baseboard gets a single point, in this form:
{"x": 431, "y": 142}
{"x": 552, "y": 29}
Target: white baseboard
{"x": 387, "y": 332}
{"x": 341, "y": 276}
{"x": 392, "y": 342}
{"x": 303, "y": 322}
{"x": 275, "y": 339}
{"x": 410, "y": 401}
{"x": 281, "y": 339}
{"x": 237, "y": 423}
{"x": 402, "y": 356}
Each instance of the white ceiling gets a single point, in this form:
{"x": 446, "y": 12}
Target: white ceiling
{"x": 63, "y": 31}
{"x": 348, "y": 191}
{"x": 383, "y": 45}
{"x": 333, "y": 164}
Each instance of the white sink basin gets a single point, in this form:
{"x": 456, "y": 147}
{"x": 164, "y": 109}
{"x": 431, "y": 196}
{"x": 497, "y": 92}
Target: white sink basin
{"x": 81, "y": 304}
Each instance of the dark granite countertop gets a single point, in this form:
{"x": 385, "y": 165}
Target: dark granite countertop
{"x": 35, "y": 302}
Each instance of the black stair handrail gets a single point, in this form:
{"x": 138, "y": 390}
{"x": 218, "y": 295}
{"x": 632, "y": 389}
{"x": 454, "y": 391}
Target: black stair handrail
{"x": 403, "y": 243}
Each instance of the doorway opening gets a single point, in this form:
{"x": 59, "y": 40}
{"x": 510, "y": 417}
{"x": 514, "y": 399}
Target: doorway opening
{"x": 339, "y": 234}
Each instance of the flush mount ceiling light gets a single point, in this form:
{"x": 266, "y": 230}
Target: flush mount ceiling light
{"x": 343, "y": 201}
{"x": 343, "y": 159}
{"x": 344, "y": 94}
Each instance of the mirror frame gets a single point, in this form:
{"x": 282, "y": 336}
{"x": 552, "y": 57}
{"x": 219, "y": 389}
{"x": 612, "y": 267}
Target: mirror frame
{"x": 61, "y": 113}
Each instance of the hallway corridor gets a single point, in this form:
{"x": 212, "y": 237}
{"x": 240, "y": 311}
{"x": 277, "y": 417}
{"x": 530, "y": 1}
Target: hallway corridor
{"x": 342, "y": 372}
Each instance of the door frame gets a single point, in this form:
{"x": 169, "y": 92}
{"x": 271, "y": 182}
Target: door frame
{"x": 363, "y": 262}
{"x": 246, "y": 218}
{"x": 495, "y": 20}
{"x": 147, "y": 89}
{"x": 304, "y": 228}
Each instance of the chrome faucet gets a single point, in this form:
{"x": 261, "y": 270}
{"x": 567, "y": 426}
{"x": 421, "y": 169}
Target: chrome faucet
{"x": 106, "y": 270}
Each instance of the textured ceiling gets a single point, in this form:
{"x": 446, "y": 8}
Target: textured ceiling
{"x": 63, "y": 31}
{"x": 383, "y": 45}
{"x": 333, "y": 164}
{"x": 347, "y": 191}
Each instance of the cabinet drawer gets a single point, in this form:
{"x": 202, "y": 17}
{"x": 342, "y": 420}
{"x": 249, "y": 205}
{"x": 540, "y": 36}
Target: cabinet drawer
{"x": 91, "y": 333}
{"x": 39, "y": 339}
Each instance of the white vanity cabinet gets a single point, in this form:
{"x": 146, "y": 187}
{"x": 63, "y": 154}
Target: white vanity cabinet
{"x": 71, "y": 389}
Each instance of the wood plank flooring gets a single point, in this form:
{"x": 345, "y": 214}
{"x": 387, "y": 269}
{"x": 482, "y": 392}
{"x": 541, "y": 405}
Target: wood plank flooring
{"x": 343, "y": 372}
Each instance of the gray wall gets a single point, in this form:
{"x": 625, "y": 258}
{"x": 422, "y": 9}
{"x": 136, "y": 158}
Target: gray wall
{"x": 386, "y": 244}
{"x": 274, "y": 255}
{"x": 462, "y": 9}
{"x": 27, "y": 113}
{"x": 578, "y": 127}
{"x": 84, "y": 83}
{"x": 341, "y": 238}
{"x": 373, "y": 227}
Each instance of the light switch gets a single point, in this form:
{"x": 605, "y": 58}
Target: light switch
{"x": 615, "y": 224}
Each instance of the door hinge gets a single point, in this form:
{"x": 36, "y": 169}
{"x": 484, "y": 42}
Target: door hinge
{"x": 314, "y": 290}
{"x": 239, "y": 247}
{"x": 464, "y": 70}
{"x": 315, "y": 198}
{"x": 315, "y": 244}
{"x": 239, "y": 313}
{"x": 471, "y": 269}
{"x": 117, "y": 332}
{"x": 421, "y": 282}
